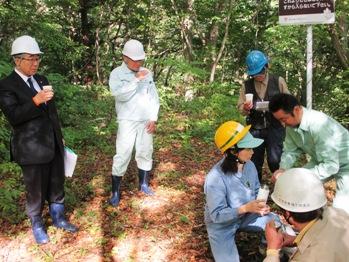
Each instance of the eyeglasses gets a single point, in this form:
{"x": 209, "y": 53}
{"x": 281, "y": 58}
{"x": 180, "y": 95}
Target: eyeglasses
{"x": 32, "y": 60}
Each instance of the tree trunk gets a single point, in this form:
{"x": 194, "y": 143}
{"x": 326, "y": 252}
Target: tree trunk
{"x": 85, "y": 25}
{"x": 186, "y": 24}
{"x": 341, "y": 47}
{"x": 221, "y": 50}
{"x": 97, "y": 56}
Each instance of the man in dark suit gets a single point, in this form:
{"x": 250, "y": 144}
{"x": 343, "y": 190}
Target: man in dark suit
{"x": 36, "y": 142}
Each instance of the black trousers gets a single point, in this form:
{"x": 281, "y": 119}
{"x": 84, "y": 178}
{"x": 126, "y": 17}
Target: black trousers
{"x": 44, "y": 182}
{"x": 273, "y": 144}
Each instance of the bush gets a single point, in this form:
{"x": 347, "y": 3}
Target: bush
{"x": 86, "y": 113}
{"x": 10, "y": 194}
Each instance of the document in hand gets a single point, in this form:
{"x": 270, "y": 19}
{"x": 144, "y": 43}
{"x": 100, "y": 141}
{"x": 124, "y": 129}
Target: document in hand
{"x": 69, "y": 161}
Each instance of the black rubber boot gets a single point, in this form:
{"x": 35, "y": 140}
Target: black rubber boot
{"x": 115, "y": 188}
{"x": 143, "y": 182}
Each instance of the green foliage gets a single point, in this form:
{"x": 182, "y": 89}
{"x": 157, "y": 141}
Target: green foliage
{"x": 181, "y": 39}
{"x": 200, "y": 116}
{"x": 333, "y": 99}
{"x": 184, "y": 219}
{"x": 183, "y": 67}
{"x": 207, "y": 114}
{"x": 5, "y": 69}
{"x": 4, "y": 139}
{"x": 10, "y": 193}
{"x": 288, "y": 59}
{"x": 284, "y": 59}
{"x": 75, "y": 194}
{"x": 86, "y": 113}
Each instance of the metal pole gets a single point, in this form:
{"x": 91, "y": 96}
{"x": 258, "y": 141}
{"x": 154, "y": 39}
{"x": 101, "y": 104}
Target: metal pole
{"x": 309, "y": 65}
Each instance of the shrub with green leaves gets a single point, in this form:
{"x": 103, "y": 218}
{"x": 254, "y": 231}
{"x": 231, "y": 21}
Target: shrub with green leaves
{"x": 87, "y": 113}
{"x": 11, "y": 192}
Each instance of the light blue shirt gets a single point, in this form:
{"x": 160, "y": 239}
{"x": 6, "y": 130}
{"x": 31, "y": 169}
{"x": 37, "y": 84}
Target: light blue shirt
{"x": 135, "y": 99}
{"x": 225, "y": 193}
{"x": 324, "y": 140}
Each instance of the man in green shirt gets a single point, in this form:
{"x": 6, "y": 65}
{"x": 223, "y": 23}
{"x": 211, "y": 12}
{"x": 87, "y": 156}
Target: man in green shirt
{"x": 321, "y": 137}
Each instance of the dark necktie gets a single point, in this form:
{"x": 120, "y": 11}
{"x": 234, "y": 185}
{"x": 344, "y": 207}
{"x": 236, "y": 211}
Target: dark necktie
{"x": 31, "y": 86}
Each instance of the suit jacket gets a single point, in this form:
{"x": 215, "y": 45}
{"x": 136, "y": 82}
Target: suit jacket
{"x": 36, "y": 129}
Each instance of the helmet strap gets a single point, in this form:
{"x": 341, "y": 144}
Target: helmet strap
{"x": 235, "y": 150}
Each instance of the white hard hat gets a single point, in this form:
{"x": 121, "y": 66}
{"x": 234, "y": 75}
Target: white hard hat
{"x": 299, "y": 190}
{"x": 134, "y": 50}
{"x": 25, "y": 44}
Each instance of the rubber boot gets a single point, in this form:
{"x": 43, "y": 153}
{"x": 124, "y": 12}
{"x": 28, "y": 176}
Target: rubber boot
{"x": 115, "y": 188}
{"x": 39, "y": 230}
{"x": 143, "y": 182}
{"x": 58, "y": 219}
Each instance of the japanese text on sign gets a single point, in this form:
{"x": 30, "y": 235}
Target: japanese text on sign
{"x": 306, "y": 11}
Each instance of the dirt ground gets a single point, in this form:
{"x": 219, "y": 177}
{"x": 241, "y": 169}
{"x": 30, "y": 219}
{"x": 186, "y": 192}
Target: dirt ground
{"x": 165, "y": 227}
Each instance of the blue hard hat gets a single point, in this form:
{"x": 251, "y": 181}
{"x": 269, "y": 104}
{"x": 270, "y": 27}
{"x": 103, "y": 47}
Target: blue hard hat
{"x": 256, "y": 61}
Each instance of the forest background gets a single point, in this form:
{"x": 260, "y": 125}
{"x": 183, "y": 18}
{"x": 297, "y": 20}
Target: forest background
{"x": 196, "y": 50}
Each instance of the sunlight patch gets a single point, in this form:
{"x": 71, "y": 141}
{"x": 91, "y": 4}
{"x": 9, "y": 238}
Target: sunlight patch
{"x": 140, "y": 248}
{"x": 166, "y": 166}
{"x": 14, "y": 251}
{"x": 163, "y": 197}
{"x": 197, "y": 179}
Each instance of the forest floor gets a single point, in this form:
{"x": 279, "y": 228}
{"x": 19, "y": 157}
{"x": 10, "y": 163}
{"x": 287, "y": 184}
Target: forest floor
{"x": 168, "y": 226}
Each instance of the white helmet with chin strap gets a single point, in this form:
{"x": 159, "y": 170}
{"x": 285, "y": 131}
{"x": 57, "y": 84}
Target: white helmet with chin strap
{"x": 299, "y": 190}
{"x": 134, "y": 50}
{"x": 25, "y": 44}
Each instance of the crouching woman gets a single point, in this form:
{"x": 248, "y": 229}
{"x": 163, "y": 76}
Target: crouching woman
{"x": 231, "y": 188}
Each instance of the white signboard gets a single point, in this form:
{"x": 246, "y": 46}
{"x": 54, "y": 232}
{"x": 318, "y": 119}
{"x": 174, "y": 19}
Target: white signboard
{"x": 300, "y": 12}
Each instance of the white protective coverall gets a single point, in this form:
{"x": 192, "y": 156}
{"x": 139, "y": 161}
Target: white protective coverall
{"x": 136, "y": 103}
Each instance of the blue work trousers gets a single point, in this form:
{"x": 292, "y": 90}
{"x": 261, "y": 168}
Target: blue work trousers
{"x": 222, "y": 235}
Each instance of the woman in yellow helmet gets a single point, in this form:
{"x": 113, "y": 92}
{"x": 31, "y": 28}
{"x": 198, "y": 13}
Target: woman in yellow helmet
{"x": 231, "y": 188}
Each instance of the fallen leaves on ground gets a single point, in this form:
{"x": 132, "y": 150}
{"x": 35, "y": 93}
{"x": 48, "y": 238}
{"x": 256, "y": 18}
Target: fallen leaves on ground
{"x": 168, "y": 226}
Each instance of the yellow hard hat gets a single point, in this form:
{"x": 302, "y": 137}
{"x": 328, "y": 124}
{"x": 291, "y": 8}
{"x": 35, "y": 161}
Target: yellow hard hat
{"x": 229, "y": 134}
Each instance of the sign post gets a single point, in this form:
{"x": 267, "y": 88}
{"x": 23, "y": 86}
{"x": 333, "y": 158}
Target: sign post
{"x": 307, "y": 12}
{"x": 309, "y": 66}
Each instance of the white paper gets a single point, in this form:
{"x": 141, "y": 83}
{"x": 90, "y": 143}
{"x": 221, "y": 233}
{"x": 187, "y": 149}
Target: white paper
{"x": 70, "y": 159}
{"x": 262, "y": 106}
